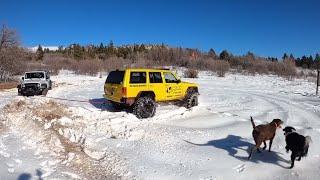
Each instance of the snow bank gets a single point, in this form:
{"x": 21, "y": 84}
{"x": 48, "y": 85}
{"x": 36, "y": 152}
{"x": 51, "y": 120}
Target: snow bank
{"x": 52, "y": 128}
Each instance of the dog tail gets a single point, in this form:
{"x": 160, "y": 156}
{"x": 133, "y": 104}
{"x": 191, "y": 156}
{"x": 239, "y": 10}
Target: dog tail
{"x": 308, "y": 140}
{"x": 253, "y": 125}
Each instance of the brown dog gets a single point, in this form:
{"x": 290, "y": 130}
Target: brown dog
{"x": 264, "y": 132}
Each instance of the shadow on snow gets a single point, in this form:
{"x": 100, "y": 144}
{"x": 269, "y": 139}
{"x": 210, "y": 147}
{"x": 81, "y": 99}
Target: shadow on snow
{"x": 27, "y": 176}
{"x": 104, "y": 105}
{"x": 232, "y": 144}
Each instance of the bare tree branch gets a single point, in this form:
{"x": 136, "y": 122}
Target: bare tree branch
{"x": 8, "y": 38}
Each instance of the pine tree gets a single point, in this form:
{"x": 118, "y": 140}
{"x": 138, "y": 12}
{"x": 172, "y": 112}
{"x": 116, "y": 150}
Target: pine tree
{"x": 60, "y": 49}
{"x": 304, "y": 62}
{"x": 78, "y": 52}
{"x": 46, "y": 50}
{"x": 142, "y": 48}
{"x": 298, "y": 62}
{"x": 39, "y": 53}
{"x": 285, "y": 56}
{"x": 250, "y": 55}
{"x": 224, "y": 55}
{"x": 317, "y": 61}
{"x": 101, "y": 48}
{"x": 310, "y": 61}
{"x": 212, "y": 53}
{"x": 291, "y": 57}
{"x": 110, "y": 51}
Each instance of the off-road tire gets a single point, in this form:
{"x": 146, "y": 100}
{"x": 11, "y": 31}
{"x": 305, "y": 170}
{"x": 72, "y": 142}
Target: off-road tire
{"x": 144, "y": 107}
{"x": 191, "y": 99}
{"x": 50, "y": 85}
{"x": 44, "y": 92}
{"x": 19, "y": 89}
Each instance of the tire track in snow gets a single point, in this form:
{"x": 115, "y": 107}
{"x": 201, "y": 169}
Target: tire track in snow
{"x": 291, "y": 109}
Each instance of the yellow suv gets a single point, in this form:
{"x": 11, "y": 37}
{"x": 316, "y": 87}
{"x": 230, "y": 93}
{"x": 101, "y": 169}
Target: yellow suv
{"x": 142, "y": 88}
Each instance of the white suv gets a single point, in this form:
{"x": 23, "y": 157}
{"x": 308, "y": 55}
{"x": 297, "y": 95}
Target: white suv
{"x": 35, "y": 83}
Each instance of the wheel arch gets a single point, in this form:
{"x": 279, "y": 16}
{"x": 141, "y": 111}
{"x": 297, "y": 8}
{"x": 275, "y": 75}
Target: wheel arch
{"x": 146, "y": 93}
{"x": 192, "y": 88}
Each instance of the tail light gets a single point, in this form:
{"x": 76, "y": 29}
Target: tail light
{"x": 124, "y": 91}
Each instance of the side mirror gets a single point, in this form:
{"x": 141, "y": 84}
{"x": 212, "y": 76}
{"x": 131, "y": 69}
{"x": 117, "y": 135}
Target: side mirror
{"x": 179, "y": 81}
{"x": 22, "y": 78}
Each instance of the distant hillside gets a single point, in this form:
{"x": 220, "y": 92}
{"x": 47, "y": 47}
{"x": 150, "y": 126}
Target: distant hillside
{"x": 51, "y": 48}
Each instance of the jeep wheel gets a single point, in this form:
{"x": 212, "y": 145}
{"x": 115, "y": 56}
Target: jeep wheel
{"x": 44, "y": 92}
{"x": 144, "y": 107}
{"x": 191, "y": 99}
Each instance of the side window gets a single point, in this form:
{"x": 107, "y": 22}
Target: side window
{"x": 137, "y": 77}
{"x": 169, "y": 77}
{"x": 155, "y": 77}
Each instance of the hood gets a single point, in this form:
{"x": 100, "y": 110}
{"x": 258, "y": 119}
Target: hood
{"x": 189, "y": 83}
{"x": 34, "y": 80}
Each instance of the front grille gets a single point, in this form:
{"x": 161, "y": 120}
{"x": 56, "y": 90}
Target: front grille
{"x": 29, "y": 85}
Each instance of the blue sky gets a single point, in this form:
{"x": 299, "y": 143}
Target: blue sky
{"x": 267, "y": 28}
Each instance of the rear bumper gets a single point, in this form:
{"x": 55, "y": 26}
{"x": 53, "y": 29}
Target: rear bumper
{"x": 122, "y": 100}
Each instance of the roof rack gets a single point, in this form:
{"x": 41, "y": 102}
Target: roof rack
{"x": 161, "y": 68}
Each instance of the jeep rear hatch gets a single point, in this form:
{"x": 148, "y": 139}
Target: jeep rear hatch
{"x": 113, "y": 87}
{"x": 115, "y": 77}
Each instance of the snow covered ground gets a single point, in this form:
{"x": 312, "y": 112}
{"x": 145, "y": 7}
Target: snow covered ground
{"x": 73, "y": 133}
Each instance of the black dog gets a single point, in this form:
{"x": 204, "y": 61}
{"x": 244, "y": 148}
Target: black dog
{"x": 297, "y": 143}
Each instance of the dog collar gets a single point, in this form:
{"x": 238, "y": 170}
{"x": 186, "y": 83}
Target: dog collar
{"x": 286, "y": 134}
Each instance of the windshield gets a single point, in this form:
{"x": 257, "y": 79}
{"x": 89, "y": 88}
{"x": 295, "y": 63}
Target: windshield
{"x": 169, "y": 77}
{"x": 115, "y": 77}
{"x": 34, "y": 75}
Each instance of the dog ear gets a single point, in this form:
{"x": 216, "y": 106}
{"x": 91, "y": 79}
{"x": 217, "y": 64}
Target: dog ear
{"x": 278, "y": 121}
{"x": 292, "y": 128}
{"x": 289, "y": 129}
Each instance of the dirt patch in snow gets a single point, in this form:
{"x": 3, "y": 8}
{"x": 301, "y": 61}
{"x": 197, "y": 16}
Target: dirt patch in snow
{"x": 53, "y": 127}
{"x": 2, "y": 128}
{"x": 15, "y": 106}
{"x": 8, "y": 85}
{"x": 50, "y": 110}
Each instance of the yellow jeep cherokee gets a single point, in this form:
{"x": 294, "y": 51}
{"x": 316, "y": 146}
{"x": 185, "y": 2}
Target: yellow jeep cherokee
{"x": 141, "y": 88}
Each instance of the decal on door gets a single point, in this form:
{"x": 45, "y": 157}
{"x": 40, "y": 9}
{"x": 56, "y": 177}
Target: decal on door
{"x": 173, "y": 91}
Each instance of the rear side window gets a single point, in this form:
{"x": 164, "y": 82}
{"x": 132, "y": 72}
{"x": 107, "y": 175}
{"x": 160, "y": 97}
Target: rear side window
{"x": 155, "y": 77}
{"x": 115, "y": 77}
{"x": 137, "y": 77}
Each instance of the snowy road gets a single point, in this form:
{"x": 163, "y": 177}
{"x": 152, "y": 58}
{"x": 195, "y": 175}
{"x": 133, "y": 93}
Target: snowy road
{"x": 207, "y": 142}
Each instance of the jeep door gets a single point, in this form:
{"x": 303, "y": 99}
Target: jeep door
{"x": 173, "y": 88}
{"x": 157, "y": 85}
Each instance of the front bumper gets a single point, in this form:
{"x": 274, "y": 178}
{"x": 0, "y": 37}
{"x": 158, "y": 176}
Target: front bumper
{"x": 30, "y": 91}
